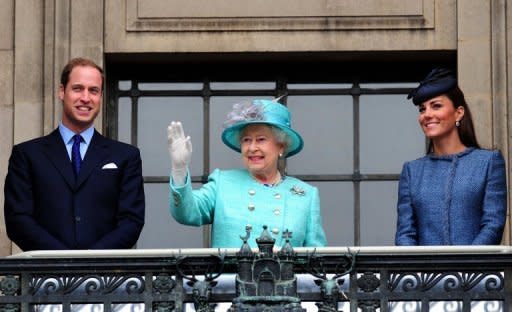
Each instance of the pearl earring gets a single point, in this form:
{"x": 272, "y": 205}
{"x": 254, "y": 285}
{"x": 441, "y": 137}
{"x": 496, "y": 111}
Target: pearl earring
{"x": 457, "y": 124}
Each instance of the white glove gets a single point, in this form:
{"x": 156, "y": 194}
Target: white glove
{"x": 180, "y": 150}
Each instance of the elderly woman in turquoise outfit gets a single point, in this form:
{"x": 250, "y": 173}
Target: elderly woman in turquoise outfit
{"x": 456, "y": 194}
{"x": 259, "y": 194}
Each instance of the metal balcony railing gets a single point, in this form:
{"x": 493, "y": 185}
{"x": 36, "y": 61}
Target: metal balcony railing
{"x": 264, "y": 279}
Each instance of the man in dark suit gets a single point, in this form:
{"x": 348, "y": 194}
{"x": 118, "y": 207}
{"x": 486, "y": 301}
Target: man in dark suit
{"x": 65, "y": 191}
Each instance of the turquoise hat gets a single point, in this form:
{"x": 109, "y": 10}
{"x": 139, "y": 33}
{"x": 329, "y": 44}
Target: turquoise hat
{"x": 260, "y": 111}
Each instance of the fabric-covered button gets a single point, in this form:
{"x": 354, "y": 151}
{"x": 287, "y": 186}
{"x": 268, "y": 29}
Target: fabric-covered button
{"x": 177, "y": 200}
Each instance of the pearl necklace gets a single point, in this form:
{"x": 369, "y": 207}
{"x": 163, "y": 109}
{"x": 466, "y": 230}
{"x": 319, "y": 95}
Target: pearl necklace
{"x": 276, "y": 181}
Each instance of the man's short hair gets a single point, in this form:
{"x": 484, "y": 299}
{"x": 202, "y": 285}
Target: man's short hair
{"x": 79, "y": 61}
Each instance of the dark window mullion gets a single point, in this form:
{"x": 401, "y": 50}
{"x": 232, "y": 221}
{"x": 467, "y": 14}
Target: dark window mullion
{"x": 357, "y": 176}
{"x": 386, "y": 91}
{"x": 134, "y": 96}
{"x": 207, "y": 94}
{"x": 341, "y": 91}
{"x": 281, "y": 89}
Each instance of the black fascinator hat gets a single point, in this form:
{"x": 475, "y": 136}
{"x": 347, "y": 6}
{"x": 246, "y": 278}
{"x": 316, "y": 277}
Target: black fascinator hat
{"x": 437, "y": 82}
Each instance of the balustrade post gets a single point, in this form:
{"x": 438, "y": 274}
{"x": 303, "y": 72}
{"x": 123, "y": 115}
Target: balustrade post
{"x": 507, "y": 275}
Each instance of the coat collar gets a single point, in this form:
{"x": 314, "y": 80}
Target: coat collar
{"x": 452, "y": 156}
{"x": 55, "y": 150}
{"x": 96, "y": 153}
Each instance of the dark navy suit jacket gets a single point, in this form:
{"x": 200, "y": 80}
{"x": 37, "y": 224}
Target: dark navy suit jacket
{"x": 47, "y": 208}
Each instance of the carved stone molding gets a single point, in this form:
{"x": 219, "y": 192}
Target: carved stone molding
{"x": 264, "y": 15}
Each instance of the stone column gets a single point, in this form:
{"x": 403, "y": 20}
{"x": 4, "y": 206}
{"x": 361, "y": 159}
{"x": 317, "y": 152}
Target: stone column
{"x": 6, "y": 105}
{"x": 482, "y": 69}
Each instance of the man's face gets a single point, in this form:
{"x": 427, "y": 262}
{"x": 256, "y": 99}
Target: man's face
{"x": 81, "y": 98}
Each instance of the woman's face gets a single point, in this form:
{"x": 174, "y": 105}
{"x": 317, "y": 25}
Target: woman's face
{"x": 260, "y": 150}
{"x": 438, "y": 116}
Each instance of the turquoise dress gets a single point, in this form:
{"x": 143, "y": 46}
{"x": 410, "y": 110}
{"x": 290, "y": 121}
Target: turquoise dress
{"x": 232, "y": 200}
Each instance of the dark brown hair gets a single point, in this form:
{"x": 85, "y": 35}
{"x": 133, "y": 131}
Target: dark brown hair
{"x": 79, "y": 61}
{"x": 466, "y": 130}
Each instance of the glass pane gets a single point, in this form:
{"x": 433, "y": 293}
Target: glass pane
{"x": 389, "y": 85}
{"x": 124, "y": 120}
{"x": 222, "y": 156}
{"x": 455, "y": 306}
{"x": 124, "y": 85}
{"x": 243, "y": 85}
{"x": 87, "y": 307}
{"x": 404, "y": 306}
{"x": 326, "y": 125}
{"x": 378, "y": 213}
{"x": 389, "y": 133}
{"x": 46, "y": 307}
{"x": 161, "y": 230}
{"x": 152, "y": 86}
{"x": 487, "y": 306}
{"x": 128, "y": 307}
{"x": 337, "y": 208}
{"x": 297, "y": 86}
{"x": 154, "y": 115}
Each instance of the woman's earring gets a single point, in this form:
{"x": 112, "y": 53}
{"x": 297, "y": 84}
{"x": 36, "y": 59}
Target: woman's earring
{"x": 457, "y": 124}
{"x": 280, "y": 155}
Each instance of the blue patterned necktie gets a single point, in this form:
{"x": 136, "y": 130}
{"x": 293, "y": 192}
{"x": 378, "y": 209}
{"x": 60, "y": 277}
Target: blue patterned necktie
{"x": 76, "y": 159}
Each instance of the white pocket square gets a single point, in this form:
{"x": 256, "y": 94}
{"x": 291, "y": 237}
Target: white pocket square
{"x": 109, "y": 166}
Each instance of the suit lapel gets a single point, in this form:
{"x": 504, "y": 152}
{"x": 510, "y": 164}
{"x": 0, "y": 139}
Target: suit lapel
{"x": 97, "y": 151}
{"x": 55, "y": 150}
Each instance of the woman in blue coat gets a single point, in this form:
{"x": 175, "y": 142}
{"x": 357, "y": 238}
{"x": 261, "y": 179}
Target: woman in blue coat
{"x": 456, "y": 194}
{"x": 236, "y": 200}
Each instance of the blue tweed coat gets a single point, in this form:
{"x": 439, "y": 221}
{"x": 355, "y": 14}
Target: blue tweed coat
{"x": 458, "y": 199}
{"x": 232, "y": 199}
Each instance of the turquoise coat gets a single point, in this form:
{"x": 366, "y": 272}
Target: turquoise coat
{"x": 232, "y": 200}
